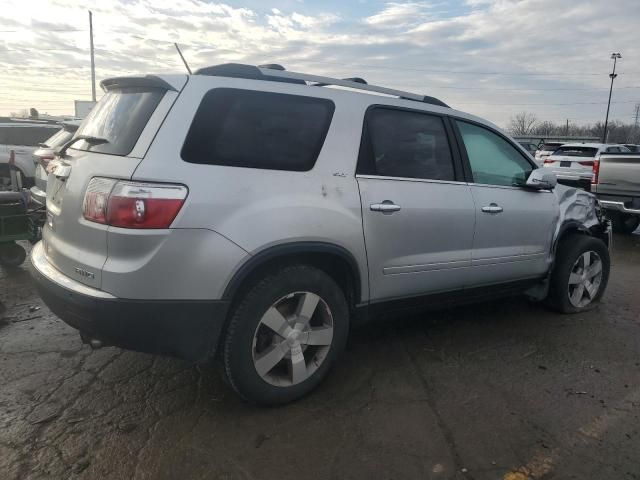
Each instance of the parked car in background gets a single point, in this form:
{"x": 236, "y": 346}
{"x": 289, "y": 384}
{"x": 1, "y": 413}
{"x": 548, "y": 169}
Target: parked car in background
{"x": 243, "y": 213}
{"x": 573, "y": 162}
{"x": 21, "y": 136}
{"x": 544, "y": 150}
{"x": 45, "y": 153}
{"x": 616, "y": 183}
{"x": 530, "y": 147}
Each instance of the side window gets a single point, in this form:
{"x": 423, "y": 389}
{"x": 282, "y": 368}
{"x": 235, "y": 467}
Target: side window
{"x": 398, "y": 143}
{"x": 493, "y": 160}
{"x": 246, "y": 128}
{"x": 25, "y": 135}
{"x": 613, "y": 150}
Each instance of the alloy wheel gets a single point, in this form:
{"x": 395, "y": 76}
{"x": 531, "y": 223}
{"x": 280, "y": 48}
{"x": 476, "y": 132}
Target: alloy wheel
{"x": 292, "y": 339}
{"x": 585, "y": 279}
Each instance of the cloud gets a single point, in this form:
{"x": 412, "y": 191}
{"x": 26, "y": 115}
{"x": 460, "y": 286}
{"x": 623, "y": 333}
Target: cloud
{"x": 399, "y": 15}
{"x": 489, "y": 57}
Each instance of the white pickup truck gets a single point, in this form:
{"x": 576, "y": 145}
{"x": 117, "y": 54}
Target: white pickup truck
{"x": 616, "y": 183}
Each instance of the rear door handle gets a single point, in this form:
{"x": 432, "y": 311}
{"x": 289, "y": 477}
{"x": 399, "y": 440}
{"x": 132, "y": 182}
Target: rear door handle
{"x": 385, "y": 207}
{"x": 492, "y": 208}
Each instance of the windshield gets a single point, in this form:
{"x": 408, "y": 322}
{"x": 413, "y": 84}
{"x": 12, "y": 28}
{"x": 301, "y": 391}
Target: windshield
{"x": 119, "y": 118}
{"x": 25, "y": 135}
{"x": 576, "y": 151}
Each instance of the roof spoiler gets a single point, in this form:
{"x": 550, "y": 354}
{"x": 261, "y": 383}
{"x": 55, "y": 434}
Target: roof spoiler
{"x": 148, "y": 81}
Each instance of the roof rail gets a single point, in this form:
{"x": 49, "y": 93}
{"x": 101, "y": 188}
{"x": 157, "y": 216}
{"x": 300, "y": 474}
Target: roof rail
{"x": 275, "y": 72}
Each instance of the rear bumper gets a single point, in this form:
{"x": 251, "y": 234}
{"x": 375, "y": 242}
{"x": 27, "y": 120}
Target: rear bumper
{"x": 619, "y": 207}
{"x": 188, "y": 329}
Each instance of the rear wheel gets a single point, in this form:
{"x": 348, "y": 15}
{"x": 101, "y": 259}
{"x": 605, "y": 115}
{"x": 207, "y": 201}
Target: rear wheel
{"x": 625, "y": 223}
{"x": 285, "y": 334}
{"x": 12, "y": 254}
{"x": 580, "y": 275}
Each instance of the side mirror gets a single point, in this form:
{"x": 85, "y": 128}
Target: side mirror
{"x": 539, "y": 179}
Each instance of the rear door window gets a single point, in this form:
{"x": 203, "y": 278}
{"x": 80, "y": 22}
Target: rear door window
{"x": 246, "y": 128}
{"x": 405, "y": 144}
{"x": 119, "y": 118}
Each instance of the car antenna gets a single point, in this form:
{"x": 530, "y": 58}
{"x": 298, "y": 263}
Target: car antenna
{"x": 183, "y": 60}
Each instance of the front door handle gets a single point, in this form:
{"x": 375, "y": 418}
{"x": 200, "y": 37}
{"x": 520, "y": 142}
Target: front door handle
{"x": 385, "y": 207}
{"x": 492, "y": 208}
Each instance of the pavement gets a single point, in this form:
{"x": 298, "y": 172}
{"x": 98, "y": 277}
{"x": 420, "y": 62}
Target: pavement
{"x": 504, "y": 390}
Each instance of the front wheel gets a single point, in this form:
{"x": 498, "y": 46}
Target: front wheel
{"x": 580, "y": 275}
{"x": 285, "y": 334}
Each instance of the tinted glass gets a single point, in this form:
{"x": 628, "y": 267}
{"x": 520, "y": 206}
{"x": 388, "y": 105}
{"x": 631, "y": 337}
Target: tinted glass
{"x": 576, "y": 151}
{"x": 28, "y": 136}
{"x": 398, "y": 143}
{"x": 550, "y": 147}
{"x": 119, "y": 117}
{"x": 493, "y": 160}
{"x": 613, "y": 150}
{"x": 245, "y": 128}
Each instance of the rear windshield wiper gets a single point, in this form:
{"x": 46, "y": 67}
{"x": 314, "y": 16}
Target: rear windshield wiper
{"x": 87, "y": 138}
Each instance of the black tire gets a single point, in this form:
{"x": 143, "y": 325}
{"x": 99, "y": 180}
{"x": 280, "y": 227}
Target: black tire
{"x": 625, "y": 223}
{"x": 567, "y": 254}
{"x": 12, "y": 255}
{"x": 238, "y": 348}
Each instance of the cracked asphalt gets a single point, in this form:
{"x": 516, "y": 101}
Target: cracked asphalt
{"x": 505, "y": 390}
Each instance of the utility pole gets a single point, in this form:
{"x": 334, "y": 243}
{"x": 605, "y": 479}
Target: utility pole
{"x": 93, "y": 63}
{"x": 567, "y": 129}
{"x": 612, "y": 75}
{"x": 636, "y": 133}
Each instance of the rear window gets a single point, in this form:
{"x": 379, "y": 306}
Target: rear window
{"x": 576, "y": 151}
{"x": 119, "y": 117}
{"x": 550, "y": 147}
{"x": 24, "y": 135}
{"x": 246, "y": 128}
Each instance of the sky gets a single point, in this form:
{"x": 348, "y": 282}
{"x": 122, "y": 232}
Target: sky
{"x": 492, "y": 58}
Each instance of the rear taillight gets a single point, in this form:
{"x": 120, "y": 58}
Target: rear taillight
{"x": 595, "y": 172}
{"x": 132, "y": 204}
{"x": 547, "y": 161}
{"x": 587, "y": 163}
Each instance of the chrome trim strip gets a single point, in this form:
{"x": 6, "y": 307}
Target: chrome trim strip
{"x": 429, "y": 267}
{"x": 42, "y": 265}
{"x": 407, "y": 179}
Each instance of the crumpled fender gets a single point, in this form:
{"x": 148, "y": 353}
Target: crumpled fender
{"x": 578, "y": 210}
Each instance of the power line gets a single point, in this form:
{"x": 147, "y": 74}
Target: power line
{"x": 30, "y": 29}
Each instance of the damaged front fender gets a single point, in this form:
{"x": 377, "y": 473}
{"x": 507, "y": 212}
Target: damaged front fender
{"x": 580, "y": 211}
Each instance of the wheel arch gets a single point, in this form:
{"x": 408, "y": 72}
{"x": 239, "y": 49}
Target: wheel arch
{"x": 334, "y": 260}
{"x": 569, "y": 228}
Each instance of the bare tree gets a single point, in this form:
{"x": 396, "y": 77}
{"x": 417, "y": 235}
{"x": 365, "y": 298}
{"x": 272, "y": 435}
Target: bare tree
{"x": 522, "y": 123}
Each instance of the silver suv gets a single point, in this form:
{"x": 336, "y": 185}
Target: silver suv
{"x": 256, "y": 215}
